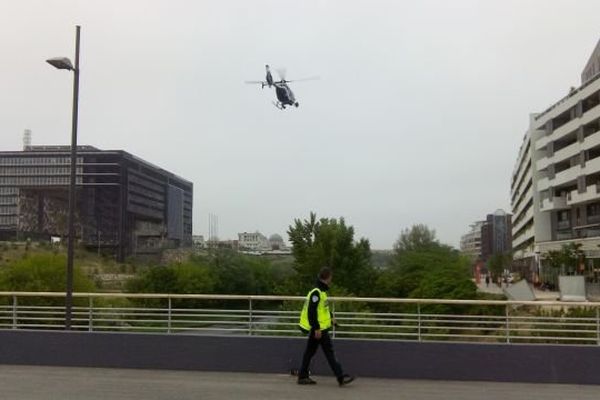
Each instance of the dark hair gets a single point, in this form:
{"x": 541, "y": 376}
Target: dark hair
{"x": 325, "y": 273}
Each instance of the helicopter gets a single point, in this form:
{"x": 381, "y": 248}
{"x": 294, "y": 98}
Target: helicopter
{"x": 285, "y": 96}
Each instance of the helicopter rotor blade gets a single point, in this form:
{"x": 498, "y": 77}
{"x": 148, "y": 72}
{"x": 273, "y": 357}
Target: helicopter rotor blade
{"x": 255, "y": 82}
{"x": 311, "y": 78}
{"x": 282, "y": 72}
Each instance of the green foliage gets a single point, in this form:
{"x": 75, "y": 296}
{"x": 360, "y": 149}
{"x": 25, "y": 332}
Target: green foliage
{"x": 450, "y": 281}
{"x": 189, "y": 277}
{"x": 42, "y": 273}
{"x": 221, "y": 272}
{"x": 381, "y": 258}
{"x": 568, "y": 257}
{"x": 563, "y": 325}
{"x": 416, "y": 238}
{"x": 423, "y": 268}
{"x": 241, "y": 274}
{"x": 497, "y": 263}
{"x": 330, "y": 242}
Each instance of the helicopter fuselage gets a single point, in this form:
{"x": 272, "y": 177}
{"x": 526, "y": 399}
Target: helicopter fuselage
{"x": 285, "y": 94}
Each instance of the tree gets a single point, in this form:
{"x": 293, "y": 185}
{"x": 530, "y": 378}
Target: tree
{"x": 43, "y": 273}
{"x": 422, "y": 267}
{"x": 418, "y": 237}
{"x": 567, "y": 259}
{"x": 330, "y": 242}
{"x": 498, "y": 263}
{"x": 223, "y": 271}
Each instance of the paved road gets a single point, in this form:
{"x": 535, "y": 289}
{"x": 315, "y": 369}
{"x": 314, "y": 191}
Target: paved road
{"x": 495, "y": 289}
{"x": 49, "y": 383}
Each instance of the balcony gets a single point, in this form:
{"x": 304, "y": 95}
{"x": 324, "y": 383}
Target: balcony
{"x": 542, "y": 163}
{"x": 543, "y": 184}
{"x": 542, "y": 142}
{"x": 568, "y": 175}
{"x": 523, "y": 221}
{"x": 591, "y": 193}
{"x": 592, "y": 166}
{"x": 564, "y": 235}
{"x": 523, "y": 237}
{"x": 570, "y": 126}
{"x": 556, "y": 203}
{"x": 593, "y": 219}
{"x": 565, "y": 129}
{"x": 591, "y": 141}
{"x": 566, "y": 152}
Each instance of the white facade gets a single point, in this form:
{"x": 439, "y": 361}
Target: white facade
{"x": 198, "y": 241}
{"x": 555, "y": 188}
{"x": 253, "y": 241}
{"x": 528, "y": 225}
{"x": 470, "y": 243}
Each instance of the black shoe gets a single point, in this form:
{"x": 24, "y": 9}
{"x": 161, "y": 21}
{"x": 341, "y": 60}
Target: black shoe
{"x": 345, "y": 379}
{"x": 306, "y": 381}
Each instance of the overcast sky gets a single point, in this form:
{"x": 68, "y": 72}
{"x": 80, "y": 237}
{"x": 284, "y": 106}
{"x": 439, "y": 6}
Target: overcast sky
{"x": 418, "y": 116}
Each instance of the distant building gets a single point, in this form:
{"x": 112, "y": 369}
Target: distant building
{"x": 224, "y": 244}
{"x": 488, "y": 237}
{"x": 198, "y": 241}
{"x": 496, "y": 237}
{"x": 124, "y": 204}
{"x": 253, "y": 242}
{"x": 470, "y": 242}
{"x": 276, "y": 242}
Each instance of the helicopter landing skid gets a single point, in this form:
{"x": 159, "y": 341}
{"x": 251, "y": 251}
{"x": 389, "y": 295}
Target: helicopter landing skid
{"x": 279, "y": 105}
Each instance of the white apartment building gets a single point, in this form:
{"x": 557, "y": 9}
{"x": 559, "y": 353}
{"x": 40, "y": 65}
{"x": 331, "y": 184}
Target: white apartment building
{"x": 555, "y": 186}
{"x": 470, "y": 243}
{"x": 253, "y": 241}
{"x": 522, "y": 201}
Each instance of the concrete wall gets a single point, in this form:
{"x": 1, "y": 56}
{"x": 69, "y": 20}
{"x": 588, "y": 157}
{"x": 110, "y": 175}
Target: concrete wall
{"x": 385, "y": 359}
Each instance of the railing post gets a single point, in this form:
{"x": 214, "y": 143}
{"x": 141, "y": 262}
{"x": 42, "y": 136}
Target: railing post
{"x": 90, "y": 314}
{"x": 419, "y": 321}
{"x": 598, "y": 325}
{"x": 14, "y": 323}
{"x": 507, "y": 325}
{"x": 333, "y": 325}
{"x": 250, "y": 316}
{"x": 169, "y": 316}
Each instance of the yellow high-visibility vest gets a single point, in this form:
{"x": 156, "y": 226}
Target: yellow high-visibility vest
{"x": 323, "y": 314}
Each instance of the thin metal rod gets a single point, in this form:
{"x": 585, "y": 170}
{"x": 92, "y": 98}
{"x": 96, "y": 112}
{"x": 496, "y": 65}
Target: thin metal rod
{"x": 14, "y": 312}
{"x": 91, "y": 314}
{"x": 598, "y": 325}
{"x": 419, "y": 322}
{"x": 72, "y": 188}
{"x": 333, "y": 312}
{"x": 169, "y": 316}
{"x": 507, "y": 325}
{"x": 250, "y": 317}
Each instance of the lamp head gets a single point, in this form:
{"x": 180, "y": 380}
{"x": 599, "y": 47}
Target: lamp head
{"x": 61, "y": 63}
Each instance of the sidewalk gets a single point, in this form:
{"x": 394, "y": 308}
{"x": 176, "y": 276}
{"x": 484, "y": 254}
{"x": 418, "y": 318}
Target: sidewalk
{"x": 539, "y": 294}
{"x": 49, "y": 383}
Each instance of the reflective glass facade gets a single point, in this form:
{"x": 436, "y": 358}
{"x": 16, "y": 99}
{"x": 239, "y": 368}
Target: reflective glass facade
{"x": 123, "y": 202}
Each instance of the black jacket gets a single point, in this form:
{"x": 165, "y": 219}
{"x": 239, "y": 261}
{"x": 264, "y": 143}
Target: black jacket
{"x": 313, "y": 303}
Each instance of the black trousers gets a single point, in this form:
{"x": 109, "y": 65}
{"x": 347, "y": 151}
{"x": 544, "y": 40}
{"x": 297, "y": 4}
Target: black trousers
{"x": 311, "y": 349}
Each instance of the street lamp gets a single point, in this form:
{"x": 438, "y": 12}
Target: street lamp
{"x": 65, "y": 63}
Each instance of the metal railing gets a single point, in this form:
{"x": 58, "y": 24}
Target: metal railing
{"x": 490, "y": 321}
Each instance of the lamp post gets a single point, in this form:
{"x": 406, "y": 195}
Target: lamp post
{"x": 65, "y": 63}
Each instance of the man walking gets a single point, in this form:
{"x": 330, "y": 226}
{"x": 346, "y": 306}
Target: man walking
{"x": 316, "y": 320}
